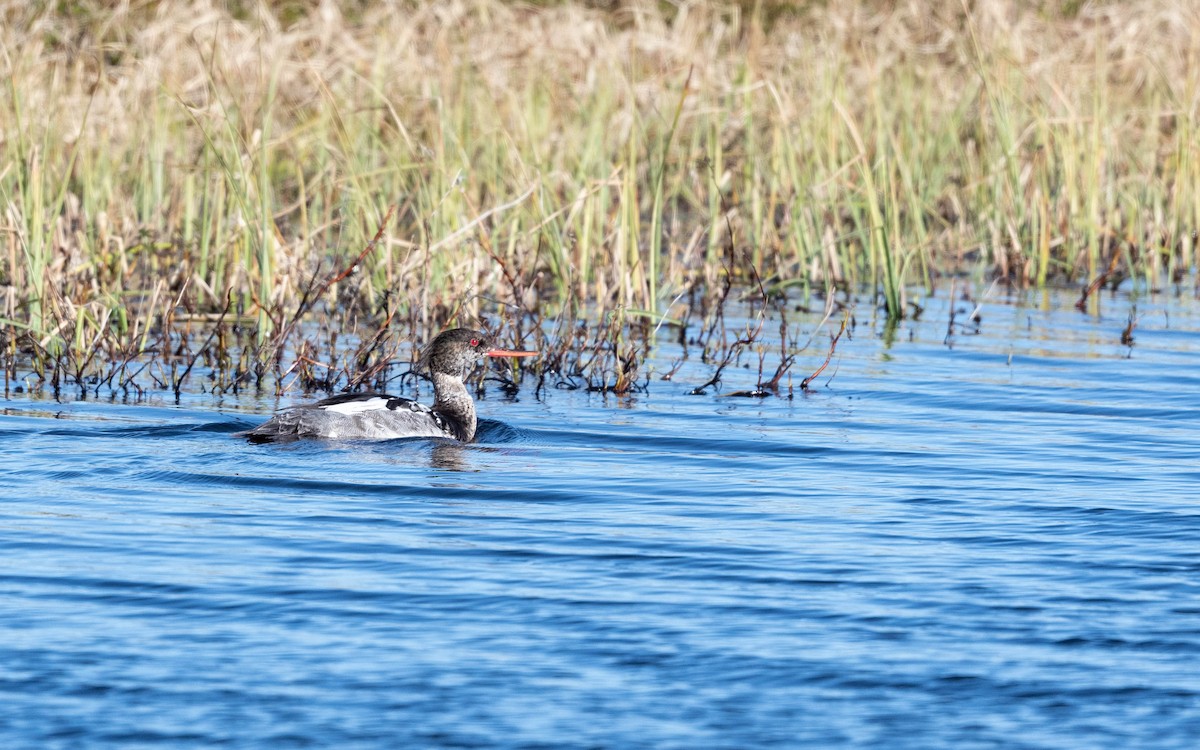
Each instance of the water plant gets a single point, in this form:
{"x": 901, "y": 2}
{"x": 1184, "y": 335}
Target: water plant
{"x": 183, "y": 184}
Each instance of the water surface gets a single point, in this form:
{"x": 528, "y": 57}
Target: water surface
{"x": 987, "y": 541}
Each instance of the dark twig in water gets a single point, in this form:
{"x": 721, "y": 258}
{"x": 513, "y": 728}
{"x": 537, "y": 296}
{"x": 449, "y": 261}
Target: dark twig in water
{"x": 1098, "y": 281}
{"x": 772, "y": 385}
{"x": 730, "y": 353}
{"x": 1127, "y": 334}
{"x": 674, "y": 369}
{"x": 177, "y": 386}
{"x": 366, "y": 371}
{"x": 833, "y": 340}
{"x": 769, "y": 388}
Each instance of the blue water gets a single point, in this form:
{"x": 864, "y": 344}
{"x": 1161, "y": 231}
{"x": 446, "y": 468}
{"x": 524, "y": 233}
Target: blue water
{"x": 986, "y": 542}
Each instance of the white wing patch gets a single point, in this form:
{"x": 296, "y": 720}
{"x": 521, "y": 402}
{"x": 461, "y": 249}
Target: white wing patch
{"x": 358, "y": 407}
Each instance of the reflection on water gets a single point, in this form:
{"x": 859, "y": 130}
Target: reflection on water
{"x": 981, "y": 541}
{"x": 449, "y": 456}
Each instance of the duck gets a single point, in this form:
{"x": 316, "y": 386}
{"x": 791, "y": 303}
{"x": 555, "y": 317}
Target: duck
{"x": 449, "y": 359}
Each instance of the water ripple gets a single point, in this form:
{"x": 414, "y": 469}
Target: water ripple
{"x": 989, "y": 544}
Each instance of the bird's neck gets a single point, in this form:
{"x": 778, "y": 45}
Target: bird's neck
{"x": 451, "y": 400}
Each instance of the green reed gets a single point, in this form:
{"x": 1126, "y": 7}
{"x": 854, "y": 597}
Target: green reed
{"x": 176, "y": 158}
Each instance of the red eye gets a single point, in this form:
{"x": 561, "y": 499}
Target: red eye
{"x": 474, "y": 342}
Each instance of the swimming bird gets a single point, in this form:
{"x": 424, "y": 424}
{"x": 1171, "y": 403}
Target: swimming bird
{"x": 449, "y": 358}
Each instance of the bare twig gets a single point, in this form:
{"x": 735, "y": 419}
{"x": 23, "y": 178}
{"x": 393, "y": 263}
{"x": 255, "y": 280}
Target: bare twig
{"x": 833, "y": 340}
{"x": 1098, "y": 281}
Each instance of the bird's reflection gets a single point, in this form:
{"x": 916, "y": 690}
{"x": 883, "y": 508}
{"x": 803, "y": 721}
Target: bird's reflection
{"x": 449, "y": 456}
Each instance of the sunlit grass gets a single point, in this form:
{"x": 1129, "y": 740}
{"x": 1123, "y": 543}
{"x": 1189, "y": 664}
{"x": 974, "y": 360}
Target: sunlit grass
{"x": 178, "y": 162}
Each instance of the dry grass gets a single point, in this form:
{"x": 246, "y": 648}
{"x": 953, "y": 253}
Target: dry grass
{"x": 167, "y": 165}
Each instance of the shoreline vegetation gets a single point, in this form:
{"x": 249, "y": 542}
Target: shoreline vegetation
{"x": 281, "y": 196}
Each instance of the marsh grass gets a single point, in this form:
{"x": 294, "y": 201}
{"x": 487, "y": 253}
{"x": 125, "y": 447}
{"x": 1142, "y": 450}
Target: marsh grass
{"x": 183, "y": 184}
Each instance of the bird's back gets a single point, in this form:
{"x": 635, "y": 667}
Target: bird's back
{"x": 355, "y": 416}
